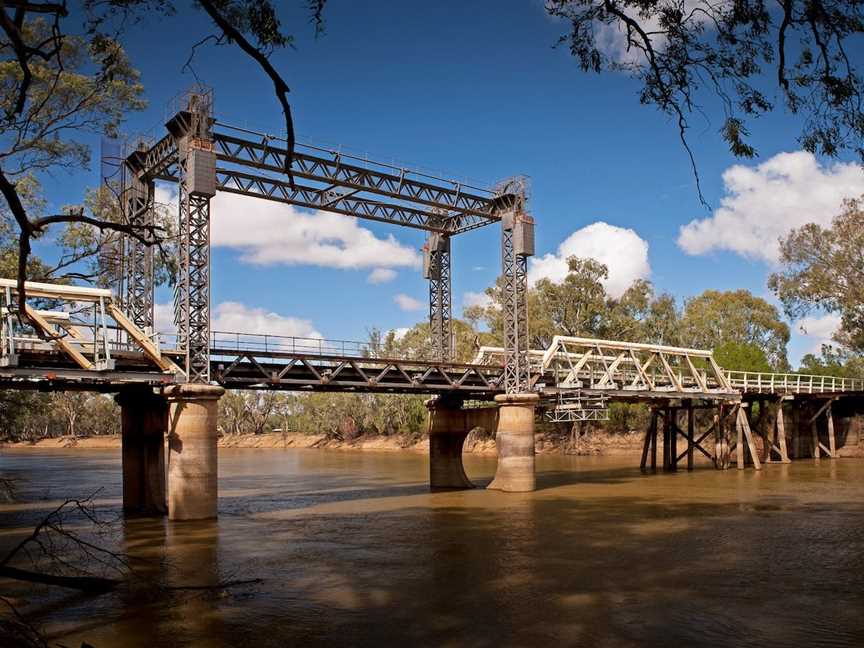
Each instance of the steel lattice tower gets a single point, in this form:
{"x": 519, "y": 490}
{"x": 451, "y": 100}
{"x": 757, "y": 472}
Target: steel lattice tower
{"x": 197, "y": 181}
{"x": 440, "y": 311}
{"x": 139, "y": 256}
{"x": 517, "y": 244}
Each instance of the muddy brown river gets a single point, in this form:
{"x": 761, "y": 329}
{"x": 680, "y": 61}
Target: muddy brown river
{"x": 353, "y": 549}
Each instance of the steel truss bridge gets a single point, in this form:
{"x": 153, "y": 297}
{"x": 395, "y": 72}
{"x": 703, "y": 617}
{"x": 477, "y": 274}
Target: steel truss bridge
{"x": 87, "y": 342}
{"x": 99, "y": 338}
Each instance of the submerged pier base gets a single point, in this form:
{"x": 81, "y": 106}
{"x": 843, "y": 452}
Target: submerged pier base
{"x": 192, "y": 451}
{"x": 144, "y": 418}
{"x": 515, "y": 442}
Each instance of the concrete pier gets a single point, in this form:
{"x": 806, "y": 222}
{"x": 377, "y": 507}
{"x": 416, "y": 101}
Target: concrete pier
{"x": 144, "y": 417}
{"x": 515, "y": 442}
{"x": 192, "y": 452}
{"x": 449, "y": 425}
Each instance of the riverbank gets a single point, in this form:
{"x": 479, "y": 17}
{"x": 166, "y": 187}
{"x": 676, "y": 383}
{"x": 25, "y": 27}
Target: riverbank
{"x": 589, "y": 444}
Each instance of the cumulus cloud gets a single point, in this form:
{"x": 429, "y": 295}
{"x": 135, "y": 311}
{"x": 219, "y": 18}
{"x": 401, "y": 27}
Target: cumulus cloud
{"x": 381, "y": 275}
{"x": 621, "y": 250}
{"x": 270, "y": 233}
{"x": 764, "y": 203}
{"x": 235, "y": 317}
{"x": 818, "y": 330}
{"x": 407, "y": 303}
{"x": 475, "y": 299}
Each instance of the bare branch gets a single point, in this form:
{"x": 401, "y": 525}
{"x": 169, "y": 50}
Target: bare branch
{"x": 281, "y": 88}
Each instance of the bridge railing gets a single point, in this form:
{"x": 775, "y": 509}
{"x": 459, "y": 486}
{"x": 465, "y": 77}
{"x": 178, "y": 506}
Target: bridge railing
{"x": 295, "y": 345}
{"x": 793, "y": 383}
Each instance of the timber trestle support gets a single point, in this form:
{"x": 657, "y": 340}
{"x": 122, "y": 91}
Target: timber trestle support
{"x": 763, "y": 430}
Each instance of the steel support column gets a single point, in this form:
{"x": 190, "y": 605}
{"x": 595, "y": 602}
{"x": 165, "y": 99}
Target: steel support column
{"x": 515, "y": 312}
{"x": 440, "y": 312}
{"x": 138, "y": 300}
{"x": 197, "y": 181}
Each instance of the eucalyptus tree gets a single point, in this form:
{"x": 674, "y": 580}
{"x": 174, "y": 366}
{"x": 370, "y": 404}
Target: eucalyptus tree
{"x": 822, "y": 270}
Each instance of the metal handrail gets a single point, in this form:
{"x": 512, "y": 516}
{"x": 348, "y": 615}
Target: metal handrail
{"x": 793, "y": 382}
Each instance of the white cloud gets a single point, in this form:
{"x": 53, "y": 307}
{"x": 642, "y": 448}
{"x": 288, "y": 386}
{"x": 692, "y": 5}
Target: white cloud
{"x": 407, "y": 303}
{"x": 475, "y": 299}
{"x": 270, "y": 233}
{"x": 163, "y": 318}
{"x": 818, "y": 330}
{"x": 235, "y": 317}
{"x": 381, "y": 275}
{"x": 621, "y": 250}
{"x": 764, "y": 203}
{"x": 166, "y": 195}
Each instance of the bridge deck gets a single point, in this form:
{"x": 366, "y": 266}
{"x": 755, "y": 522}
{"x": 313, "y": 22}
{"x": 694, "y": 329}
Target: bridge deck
{"x": 571, "y": 372}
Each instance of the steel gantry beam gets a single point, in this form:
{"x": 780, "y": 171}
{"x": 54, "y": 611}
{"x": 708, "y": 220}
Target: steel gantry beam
{"x": 339, "y": 183}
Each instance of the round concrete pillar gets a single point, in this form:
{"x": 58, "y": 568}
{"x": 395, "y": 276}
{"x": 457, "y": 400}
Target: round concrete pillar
{"x": 514, "y": 440}
{"x": 447, "y": 431}
{"x": 144, "y": 417}
{"x": 192, "y": 451}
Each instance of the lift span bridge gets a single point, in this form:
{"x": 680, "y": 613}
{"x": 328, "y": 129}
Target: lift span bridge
{"x": 103, "y": 339}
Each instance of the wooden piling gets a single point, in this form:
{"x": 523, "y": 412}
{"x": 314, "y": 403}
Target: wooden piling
{"x": 815, "y": 433}
{"x": 691, "y": 425}
{"x": 673, "y": 440}
{"x": 667, "y": 428}
{"x": 739, "y": 446}
{"x": 654, "y": 441}
{"x": 781, "y": 434}
{"x": 748, "y": 435}
{"x": 647, "y": 444}
{"x": 832, "y": 442}
{"x": 718, "y": 418}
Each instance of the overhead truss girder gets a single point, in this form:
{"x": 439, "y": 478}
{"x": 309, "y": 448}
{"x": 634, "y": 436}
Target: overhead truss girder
{"x": 335, "y": 171}
{"x": 444, "y": 208}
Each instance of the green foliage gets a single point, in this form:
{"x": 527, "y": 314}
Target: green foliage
{"x": 627, "y": 417}
{"x": 822, "y": 271}
{"x": 717, "y": 317}
{"x": 833, "y": 362}
{"x": 741, "y": 356}
{"x": 89, "y": 87}
{"x": 580, "y": 306}
{"x": 30, "y": 416}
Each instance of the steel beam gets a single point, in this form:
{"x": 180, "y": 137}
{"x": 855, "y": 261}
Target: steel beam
{"x": 370, "y": 190}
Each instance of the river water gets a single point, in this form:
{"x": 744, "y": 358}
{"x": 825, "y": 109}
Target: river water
{"x": 353, "y": 549}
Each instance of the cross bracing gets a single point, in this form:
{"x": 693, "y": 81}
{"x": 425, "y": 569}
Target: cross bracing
{"x": 339, "y": 183}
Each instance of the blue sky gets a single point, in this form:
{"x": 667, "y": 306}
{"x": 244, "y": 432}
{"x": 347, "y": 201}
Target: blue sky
{"x": 475, "y": 90}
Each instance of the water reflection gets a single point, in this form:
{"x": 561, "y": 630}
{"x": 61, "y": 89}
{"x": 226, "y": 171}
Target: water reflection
{"x": 353, "y": 548}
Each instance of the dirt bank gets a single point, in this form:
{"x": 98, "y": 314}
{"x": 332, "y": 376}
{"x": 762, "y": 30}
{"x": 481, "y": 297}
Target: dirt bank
{"x": 592, "y": 444}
